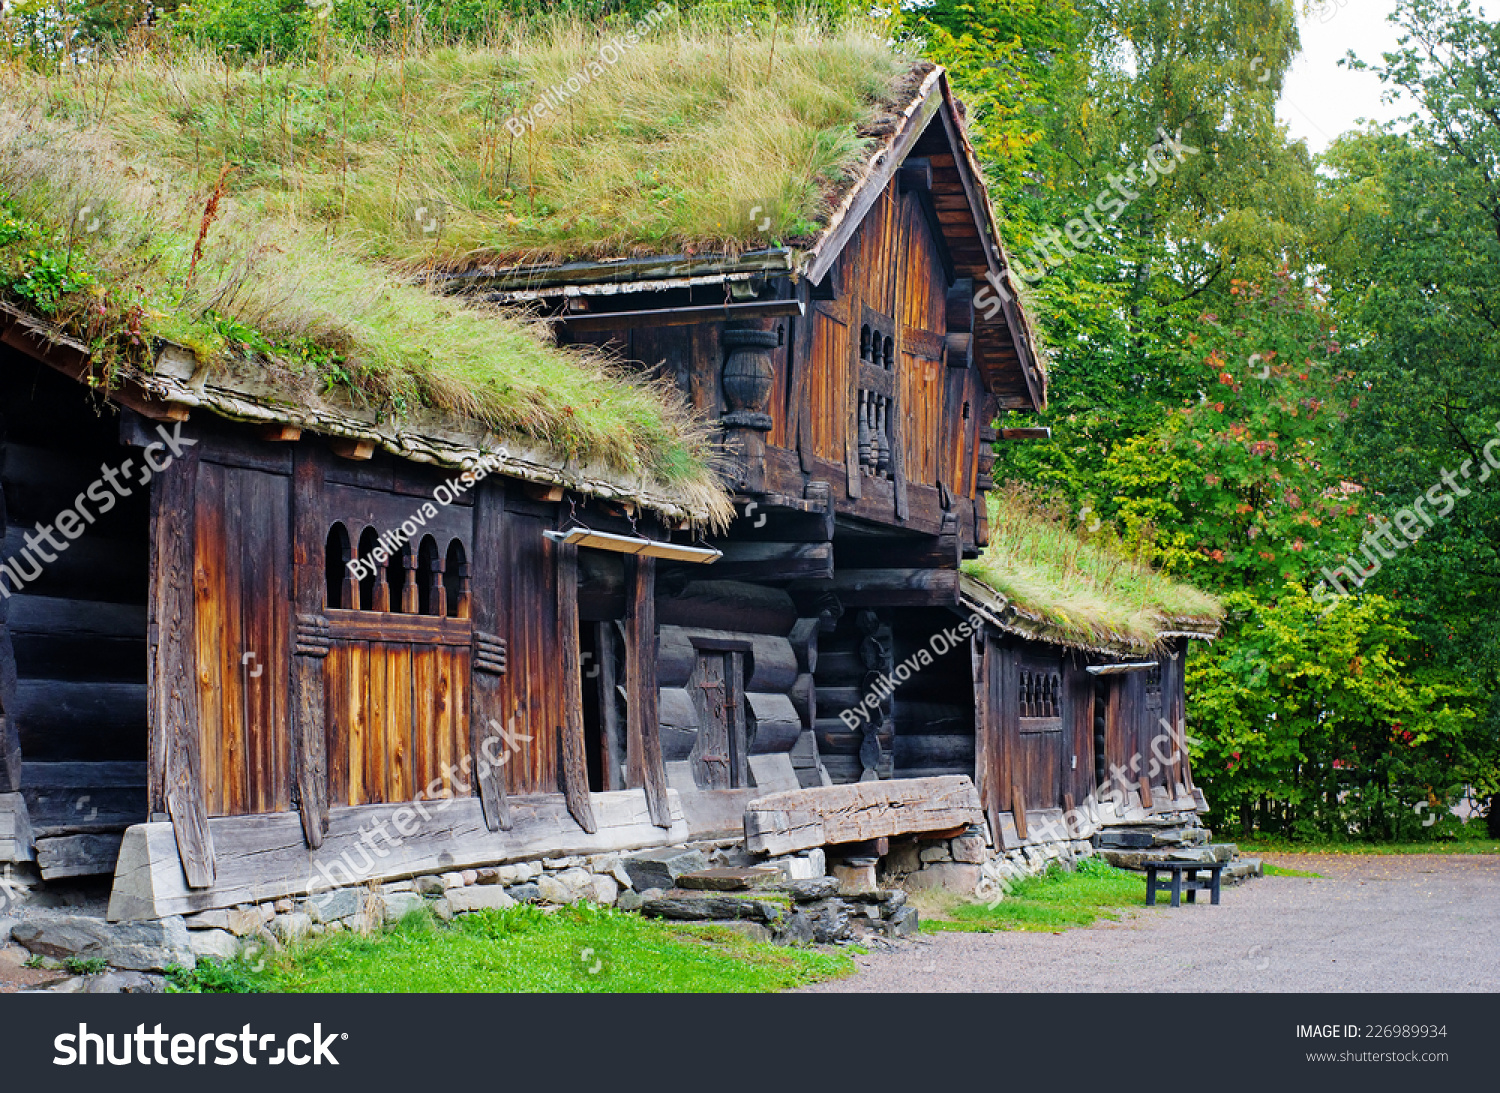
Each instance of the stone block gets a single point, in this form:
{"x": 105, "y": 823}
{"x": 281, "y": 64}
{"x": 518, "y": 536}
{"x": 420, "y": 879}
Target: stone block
{"x": 661, "y": 868}
{"x": 816, "y": 888}
{"x": 440, "y": 907}
{"x": 550, "y": 889}
{"x": 603, "y": 890}
{"x": 334, "y": 905}
{"x": 629, "y": 900}
{"x": 469, "y": 876}
{"x": 453, "y": 880}
{"x": 936, "y": 852}
{"x": 1224, "y": 851}
{"x": 244, "y": 921}
{"x": 219, "y": 944}
{"x": 208, "y": 920}
{"x": 490, "y": 875}
{"x": 133, "y": 946}
{"x": 968, "y": 848}
{"x": 957, "y": 877}
{"x": 291, "y": 927}
{"x": 524, "y": 893}
{"x": 856, "y": 877}
{"x": 431, "y": 886}
{"x": 700, "y": 907}
{"x": 479, "y": 897}
{"x": 397, "y": 905}
{"x": 752, "y": 931}
{"x": 731, "y": 880}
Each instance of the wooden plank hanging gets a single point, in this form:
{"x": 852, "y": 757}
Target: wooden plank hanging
{"x": 310, "y": 649}
{"x": 643, "y": 758}
{"x": 488, "y": 660}
{"x": 174, "y": 677}
{"x": 572, "y": 752}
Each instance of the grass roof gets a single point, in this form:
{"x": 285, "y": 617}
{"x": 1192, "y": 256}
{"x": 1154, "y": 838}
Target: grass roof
{"x": 286, "y": 213}
{"x": 1080, "y": 587}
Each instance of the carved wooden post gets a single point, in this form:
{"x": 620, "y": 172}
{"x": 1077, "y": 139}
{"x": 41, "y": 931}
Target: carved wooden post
{"x": 310, "y": 649}
{"x": 748, "y": 379}
{"x": 174, "y": 677}
{"x": 643, "y": 759}
{"x": 572, "y": 752}
{"x": 487, "y": 659}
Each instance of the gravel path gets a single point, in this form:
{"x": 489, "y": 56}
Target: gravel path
{"x": 1424, "y": 922}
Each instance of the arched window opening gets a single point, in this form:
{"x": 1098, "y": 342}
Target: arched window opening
{"x": 456, "y": 581}
{"x": 367, "y": 583}
{"x": 430, "y": 579}
{"x": 336, "y": 557}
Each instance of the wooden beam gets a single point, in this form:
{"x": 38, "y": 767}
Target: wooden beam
{"x": 549, "y": 492}
{"x": 895, "y": 587}
{"x": 679, "y": 316}
{"x": 1043, "y": 433}
{"x": 133, "y": 397}
{"x": 280, "y": 433}
{"x": 572, "y": 755}
{"x": 488, "y": 658}
{"x": 349, "y": 448}
{"x": 174, "y": 675}
{"x": 915, "y": 176}
{"x": 310, "y": 649}
{"x": 1018, "y": 809}
{"x": 801, "y": 819}
{"x": 265, "y": 857}
{"x": 643, "y": 758}
{"x": 747, "y": 560}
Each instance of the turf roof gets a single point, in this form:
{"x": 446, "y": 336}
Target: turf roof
{"x": 1064, "y": 584}
{"x": 318, "y": 193}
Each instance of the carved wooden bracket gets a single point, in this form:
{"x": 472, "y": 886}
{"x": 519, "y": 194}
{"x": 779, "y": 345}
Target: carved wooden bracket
{"x": 313, "y": 638}
{"x": 749, "y": 376}
{"x": 489, "y": 653}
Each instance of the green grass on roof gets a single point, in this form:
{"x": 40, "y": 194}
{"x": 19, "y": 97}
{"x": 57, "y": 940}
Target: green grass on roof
{"x": 696, "y": 138}
{"x": 341, "y": 180}
{"x": 1083, "y": 587}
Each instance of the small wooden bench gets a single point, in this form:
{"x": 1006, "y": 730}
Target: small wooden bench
{"x": 1179, "y": 884}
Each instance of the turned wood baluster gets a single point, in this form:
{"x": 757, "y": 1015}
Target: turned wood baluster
{"x": 411, "y": 600}
{"x": 437, "y": 593}
{"x": 464, "y": 590}
{"x": 380, "y": 597}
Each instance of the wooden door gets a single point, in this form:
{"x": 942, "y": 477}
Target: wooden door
{"x": 241, "y": 588}
{"x": 719, "y": 753}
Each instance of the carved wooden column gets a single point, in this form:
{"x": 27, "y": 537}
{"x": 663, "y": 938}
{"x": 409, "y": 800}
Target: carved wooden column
{"x": 175, "y": 745}
{"x": 310, "y": 650}
{"x": 747, "y": 381}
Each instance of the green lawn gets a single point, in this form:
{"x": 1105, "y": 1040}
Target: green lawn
{"x": 1279, "y": 871}
{"x": 1262, "y": 845}
{"x": 1054, "y": 902}
{"x": 580, "y": 949}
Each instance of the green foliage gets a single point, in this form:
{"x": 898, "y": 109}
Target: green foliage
{"x": 582, "y": 948}
{"x": 85, "y": 965}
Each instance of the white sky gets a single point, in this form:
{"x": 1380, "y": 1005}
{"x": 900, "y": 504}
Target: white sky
{"x": 1322, "y": 100}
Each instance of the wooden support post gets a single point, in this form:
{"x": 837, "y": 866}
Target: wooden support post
{"x": 174, "y": 676}
{"x": 487, "y": 661}
{"x": 1146, "y": 801}
{"x": 1018, "y": 808}
{"x": 572, "y": 752}
{"x": 643, "y": 762}
{"x": 309, "y": 577}
{"x": 10, "y": 737}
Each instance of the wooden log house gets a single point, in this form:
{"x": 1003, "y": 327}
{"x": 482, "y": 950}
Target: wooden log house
{"x": 203, "y": 698}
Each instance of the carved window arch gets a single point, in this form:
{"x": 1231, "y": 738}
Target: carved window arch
{"x": 340, "y": 591}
